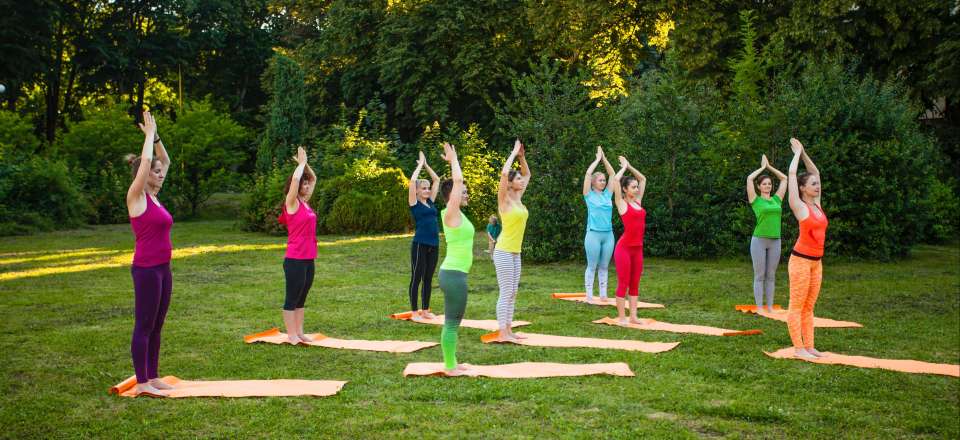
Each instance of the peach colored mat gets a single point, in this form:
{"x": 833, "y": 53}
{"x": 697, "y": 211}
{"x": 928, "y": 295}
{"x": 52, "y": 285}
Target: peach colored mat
{"x": 902, "y": 365}
{"x": 538, "y": 340}
{"x": 482, "y": 324}
{"x": 274, "y": 336}
{"x": 237, "y": 388}
{"x": 582, "y": 298}
{"x": 523, "y": 370}
{"x": 780, "y": 314}
{"x": 650, "y": 324}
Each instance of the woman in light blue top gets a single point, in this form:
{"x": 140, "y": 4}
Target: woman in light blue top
{"x": 599, "y": 240}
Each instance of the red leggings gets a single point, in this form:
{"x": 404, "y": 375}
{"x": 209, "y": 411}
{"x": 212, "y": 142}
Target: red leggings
{"x": 629, "y": 261}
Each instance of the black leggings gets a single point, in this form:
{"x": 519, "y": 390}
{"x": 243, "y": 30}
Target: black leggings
{"x": 423, "y": 261}
{"x": 299, "y": 275}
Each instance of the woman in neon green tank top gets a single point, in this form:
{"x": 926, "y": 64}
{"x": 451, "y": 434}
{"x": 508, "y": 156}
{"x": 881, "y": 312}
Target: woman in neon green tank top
{"x": 506, "y": 256}
{"x": 458, "y": 233}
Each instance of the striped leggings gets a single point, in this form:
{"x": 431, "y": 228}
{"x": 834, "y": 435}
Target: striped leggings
{"x": 507, "y": 265}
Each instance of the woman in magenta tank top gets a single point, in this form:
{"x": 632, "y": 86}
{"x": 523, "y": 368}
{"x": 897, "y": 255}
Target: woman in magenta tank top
{"x": 152, "y": 279}
{"x": 298, "y": 266}
{"x": 628, "y": 253}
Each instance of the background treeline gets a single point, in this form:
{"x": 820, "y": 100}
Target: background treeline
{"x": 693, "y": 92}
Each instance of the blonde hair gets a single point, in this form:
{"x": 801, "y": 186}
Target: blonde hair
{"x": 421, "y": 181}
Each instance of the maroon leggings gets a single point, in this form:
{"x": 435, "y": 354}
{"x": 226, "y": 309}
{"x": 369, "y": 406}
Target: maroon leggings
{"x": 151, "y": 287}
{"x": 629, "y": 261}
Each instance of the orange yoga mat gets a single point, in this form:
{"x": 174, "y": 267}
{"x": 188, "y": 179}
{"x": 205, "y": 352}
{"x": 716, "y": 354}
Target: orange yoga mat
{"x": 237, "y": 388}
{"x": 901, "y": 365}
{"x": 537, "y": 340}
{"x": 650, "y": 324}
{"x": 482, "y": 324}
{"x": 523, "y": 370}
{"x": 582, "y": 298}
{"x": 274, "y": 336}
{"x": 780, "y": 314}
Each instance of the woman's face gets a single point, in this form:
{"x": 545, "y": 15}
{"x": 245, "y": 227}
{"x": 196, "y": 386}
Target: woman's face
{"x": 423, "y": 190}
{"x": 155, "y": 179}
{"x": 306, "y": 188}
{"x": 811, "y": 189}
{"x": 633, "y": 189}
{"x": 599, "y": 182}
{"x": 766, "y": 185}
{"x": 519, "y": 183}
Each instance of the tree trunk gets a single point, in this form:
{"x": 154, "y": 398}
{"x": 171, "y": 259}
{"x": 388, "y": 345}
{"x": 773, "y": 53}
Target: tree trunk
{"x": 52, "y": 98}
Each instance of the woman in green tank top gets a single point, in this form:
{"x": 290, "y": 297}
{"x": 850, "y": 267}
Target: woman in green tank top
{"x": 458, "y": 233}
{"x": 765, "y": 243}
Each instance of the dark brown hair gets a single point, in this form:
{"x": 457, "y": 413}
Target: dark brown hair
{"x": 305, "y": 177}
{"x": 625, "y": 182}
{"x": 762, "y": 178}
{"x": 445, "y": 187}
{"x": 134, "y": 161}
{"x": 512, "y": 175}
{"x": 803, "y": 178}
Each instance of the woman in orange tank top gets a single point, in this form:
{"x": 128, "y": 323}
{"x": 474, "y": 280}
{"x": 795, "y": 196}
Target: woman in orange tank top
{"x": 805, "y": 268}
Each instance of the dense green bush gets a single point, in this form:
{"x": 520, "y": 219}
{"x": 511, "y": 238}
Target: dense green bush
{"x": 561, "y": 126}
{"x": 264, "y": 200}
{"x": 94, "y": 149}
{"x": 205, "y": 147}
{"x": 368, "y": 198}
{"x": 38, "y": 195}
{"x": 16, "y": 136}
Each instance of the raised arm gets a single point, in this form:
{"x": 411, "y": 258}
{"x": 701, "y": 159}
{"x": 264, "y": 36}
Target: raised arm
{"x": 149, "y": 128}
{"x": 615, "y": 186}
{"x": 524, "y": 168}
{"x": 434, "y": 179}
{"x": 588, "y": 177}
{"x": 751, "y": 188}
{"x": 412, "y": 187}
{"x": 796, "y": 204}
{"x": 294, "y": 191}
{"x": 782, "y": 189}
{"x": 606, "y": 163}
{"x": 812, "y": 169}
{"x": 160, "y": 152}
{"x": 505, "y": 173}
{"x": 641, "y": 183}
{"x": 452, "y": 217}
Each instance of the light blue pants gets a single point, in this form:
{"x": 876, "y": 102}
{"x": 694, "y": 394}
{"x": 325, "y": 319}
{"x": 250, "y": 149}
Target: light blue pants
{"x": 765, "y": 253}
{"x": 599, "y": 247}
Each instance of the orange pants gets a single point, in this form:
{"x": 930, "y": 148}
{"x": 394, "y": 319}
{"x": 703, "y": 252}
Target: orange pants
{"x": 805, "y": 278}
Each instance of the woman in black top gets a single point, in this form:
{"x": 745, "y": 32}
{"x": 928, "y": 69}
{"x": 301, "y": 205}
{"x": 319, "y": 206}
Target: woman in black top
{"x": 426, "y": 241}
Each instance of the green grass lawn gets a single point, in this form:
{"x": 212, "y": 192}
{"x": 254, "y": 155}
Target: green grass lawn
{"x": 65, "y": 335}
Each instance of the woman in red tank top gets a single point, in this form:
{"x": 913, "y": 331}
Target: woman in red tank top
{"x": 152, "y": 279}
{"x": 628, "y": 253}
{"x": 805, "y": 267}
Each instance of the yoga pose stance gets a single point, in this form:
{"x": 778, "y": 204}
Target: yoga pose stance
{"x": 506, "y": 255}
{"x": 426, "y": 240}
{"x": 152, "y": 279}
{"x": 628, "y": 254}
{"x": 805, "y": 268}
{"x": 599, "y": 240}
{"x": 458, "y": 233}
{"x": 765, "y": 244}
{"x": 298, "y": 265}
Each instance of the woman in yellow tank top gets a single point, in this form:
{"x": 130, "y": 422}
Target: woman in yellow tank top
{"x": 506, "y": 256}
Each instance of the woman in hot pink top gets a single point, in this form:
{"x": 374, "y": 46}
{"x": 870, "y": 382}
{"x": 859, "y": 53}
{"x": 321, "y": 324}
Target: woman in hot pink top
{"x": 152, "y": 279}
{"x": 298, "y": 266}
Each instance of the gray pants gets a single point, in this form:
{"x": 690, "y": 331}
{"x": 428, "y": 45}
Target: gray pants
{"x": 766, "y": 256}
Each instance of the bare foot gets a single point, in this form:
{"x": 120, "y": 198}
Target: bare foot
{"x": 159, "y": 384}
{"x": 293, "y": 339}
{"x": 622, "y": 320}
{"x": 635, "y": 321}
{"x": 305, "y": 338}
{"x": 814, "y": 352}
{"x": 803, "y": 354}
{"x": 506, "y": 336}
{"x": 145, "y": 389}
{"x": 517, "y": 336}
{"x": 454, "y": 372}
{"x": 604, "y": 299}
{"x": 589, "y": 300}
{"x": 428, "y": 315}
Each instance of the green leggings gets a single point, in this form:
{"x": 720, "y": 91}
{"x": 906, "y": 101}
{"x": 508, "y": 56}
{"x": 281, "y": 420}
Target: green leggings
{"x": 453, "y": 283}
